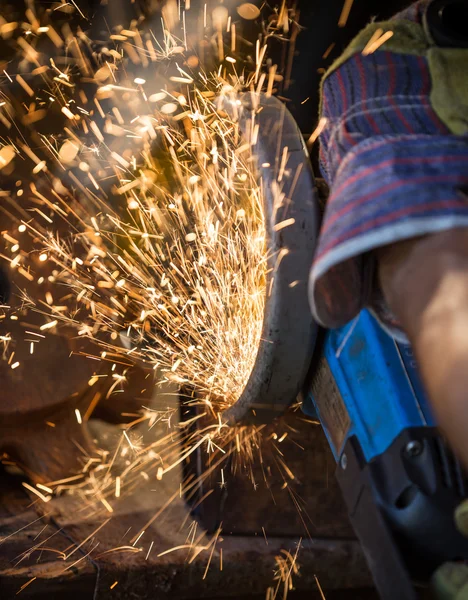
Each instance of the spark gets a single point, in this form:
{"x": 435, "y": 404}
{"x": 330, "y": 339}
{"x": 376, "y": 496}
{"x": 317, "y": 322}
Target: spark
{"x": 66, "y": 479}
{"x": 284, "y": 224}
{"x": 91, "y": 535}
{"x": 4, "y": 539}
{"x": 130, "y": 549}
{"x": 138, "y": 538}
{"x": 28, "y": 89}
{"x": 45, "y": 488}
{"x": 322, "y": 595}
{"x": 149, "y": 551}
{"x": 25, "y": 585}
{"x": 287, "y": 566}
{"x": 128, "y": 440}
{"x": 318, "y": 130}
{"x": 68, "y": 113}
{"x": 345, "y": 13}
{"x": 213, "y": 546}
{"x": 326, "y": 54}
{"x": 222, "y": 483}
{"x": 35, "y": 491}
{"x": 374, "y": 44}
{"x": 48, "y": 325}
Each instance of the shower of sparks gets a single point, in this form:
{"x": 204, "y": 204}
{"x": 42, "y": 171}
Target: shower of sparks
{"x": 287, "y": 568}
{"x": 163, "y": 256}
{"x": 135, "y": 215}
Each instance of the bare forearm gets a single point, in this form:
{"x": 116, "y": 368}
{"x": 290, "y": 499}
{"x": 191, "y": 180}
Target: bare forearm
{"x": 425, "y": 282}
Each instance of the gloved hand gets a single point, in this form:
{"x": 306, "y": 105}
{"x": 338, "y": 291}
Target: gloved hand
{"x": 450, "y": 581}
{"x": 394, "y": 150}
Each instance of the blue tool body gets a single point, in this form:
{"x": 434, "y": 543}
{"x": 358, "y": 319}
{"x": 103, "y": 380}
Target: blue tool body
{"x": 379, "y": 387}
{"x": 400, "y": 480}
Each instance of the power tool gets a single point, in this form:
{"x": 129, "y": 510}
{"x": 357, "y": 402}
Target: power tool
{"x": 400, "y": 480}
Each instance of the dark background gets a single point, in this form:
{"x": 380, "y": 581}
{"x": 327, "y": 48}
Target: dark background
{"x": 319, "y": 18}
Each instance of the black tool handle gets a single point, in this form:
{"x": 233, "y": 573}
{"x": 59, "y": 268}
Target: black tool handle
{"x": 402, "y": 506}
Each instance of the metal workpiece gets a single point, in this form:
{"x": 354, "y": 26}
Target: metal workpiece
{"x": 291, "y": 220}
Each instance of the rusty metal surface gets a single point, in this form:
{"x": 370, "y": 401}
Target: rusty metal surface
{"x": 308, "y": 509}
{"x": 247, "y": 565}
{"x": 309, "y": 505}
{"x": 22, "y": 525}
{"x": 248, "y": 559}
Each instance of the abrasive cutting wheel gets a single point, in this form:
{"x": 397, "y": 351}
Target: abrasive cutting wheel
{"x": 288, "y": 335}
{"x": 43, "y": 402}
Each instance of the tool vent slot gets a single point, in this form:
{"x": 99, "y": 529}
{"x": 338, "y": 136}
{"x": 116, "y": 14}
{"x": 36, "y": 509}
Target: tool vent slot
{"x": 452, "y": 474}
